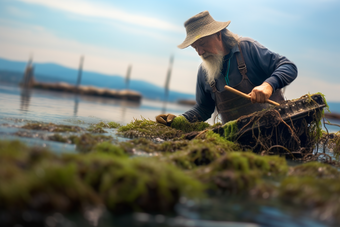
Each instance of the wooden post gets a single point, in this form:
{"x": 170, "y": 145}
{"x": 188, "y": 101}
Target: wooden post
{"x": 167, "y": 82}
{"x": 80, "y": 71}
{"x": 127, "y": 77}
{"x": 168, "y": 76}
{"x": 28, "y": 78}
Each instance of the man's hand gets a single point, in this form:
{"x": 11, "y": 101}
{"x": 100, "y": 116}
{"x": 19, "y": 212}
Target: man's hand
{"x": 261, "y": 93}
{"x": 165, "y": 119}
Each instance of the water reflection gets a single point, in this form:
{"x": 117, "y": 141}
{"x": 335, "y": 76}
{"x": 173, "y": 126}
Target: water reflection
{"x": 122, "y": 103}
{"x": 76, "y": 103}
{"x": 164, "y": 107}
{"x": 25, "y": 98}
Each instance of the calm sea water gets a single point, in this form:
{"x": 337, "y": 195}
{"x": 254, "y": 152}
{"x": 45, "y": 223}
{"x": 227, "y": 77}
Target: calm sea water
{"x": 17, "y": 107}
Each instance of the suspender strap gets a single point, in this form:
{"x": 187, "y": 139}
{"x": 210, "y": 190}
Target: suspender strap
{"x": 240, "y": 63}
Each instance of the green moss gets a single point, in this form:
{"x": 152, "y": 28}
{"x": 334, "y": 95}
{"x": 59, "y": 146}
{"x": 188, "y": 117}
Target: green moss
{"x": 181, "y": 123}
{"x": 219, "y": 141}
{"x": 110, "y": 124}
{"x": 107, "y": 147}
{"x": 52, "y": 127}
{"x": 12, "y": 150}
{"x": 264, "y": 190}
{"x": 237, "y": 172}
{"x": 47, "y": 187}
{"x": 96, "y": 129}
{"x": 332, "y": 141}
{"x": 230, "y": 130}
{"x": 146, "y": 183}
{"x": 201, "y": 151}
{"x": 148, "y": 129}
{"x": 320, "y": 196}
{"x": 113, "y": 124}
{"x": 73, "y": 181}
{"x": 149, "y": 146}
{"x": 58, "y": 138}
{"x": 316, "y": 127}
{"x": 195, "y": 155}
{"x": 315, "y": 169}
{"x": 86, "y": 142}
{"x": 20, "y": 154}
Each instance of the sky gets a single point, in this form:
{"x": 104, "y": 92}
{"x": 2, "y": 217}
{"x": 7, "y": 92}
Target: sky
{"x": 115, "y": 34}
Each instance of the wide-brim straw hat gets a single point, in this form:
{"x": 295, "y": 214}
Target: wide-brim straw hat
{"x": 199, "y": 26}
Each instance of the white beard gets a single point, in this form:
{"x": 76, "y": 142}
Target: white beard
{"x": 212, "y": 65}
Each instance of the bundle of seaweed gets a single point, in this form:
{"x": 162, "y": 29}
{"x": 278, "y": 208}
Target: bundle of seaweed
{"x": 293, "y": 128}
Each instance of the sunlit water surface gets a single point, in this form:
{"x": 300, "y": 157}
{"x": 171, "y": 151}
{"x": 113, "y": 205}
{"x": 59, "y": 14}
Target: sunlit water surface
{"x": 17, "y": 107}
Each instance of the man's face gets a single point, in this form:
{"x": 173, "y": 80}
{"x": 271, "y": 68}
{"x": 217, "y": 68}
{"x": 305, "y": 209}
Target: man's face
{"x": 208, "y": 45}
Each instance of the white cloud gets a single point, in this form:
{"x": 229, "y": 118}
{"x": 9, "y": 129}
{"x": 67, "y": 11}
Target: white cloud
{"x": 18, "y": 44}
{"x": 94, "y": 9}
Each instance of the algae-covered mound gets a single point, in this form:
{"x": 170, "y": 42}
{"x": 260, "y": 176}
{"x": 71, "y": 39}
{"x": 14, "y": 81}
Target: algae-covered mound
{"x": 99, "y": 127}
{"x": 84, "y": 142}
{"x": 321, "y": 196}
{"x": 315, "y": 169}
{"x": 32, "y": 178}
{"x": 201, "y": 151}
{"x": 149, "y": 129}
{"x": 139, "y": 184}
{"x": 52, "y": 127}
{"x": 143, "y": 144}
{"x": 40, "y": 180}
{"x": 237, "y": 172}
{"x": 87, "y": 141}
{"x": 333, "y": 143}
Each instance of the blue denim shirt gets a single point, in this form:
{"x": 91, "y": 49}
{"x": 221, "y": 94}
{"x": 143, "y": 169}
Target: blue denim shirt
{"x": 262, "y": 64}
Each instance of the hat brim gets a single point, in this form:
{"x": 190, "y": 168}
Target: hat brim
{"x": 206, "y": 30}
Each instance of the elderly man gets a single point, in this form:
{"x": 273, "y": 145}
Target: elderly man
{"x": 241, "y": 63}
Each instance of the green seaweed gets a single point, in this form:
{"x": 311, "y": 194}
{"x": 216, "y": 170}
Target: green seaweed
{"x": 110, "y": 124}
{"x": 52, "y": 127}
{"x": 98, "y": 128}
{"x": 59, "y": 138}
{"x": 87, "y": 141}
{"x": 181, "y": 123}
{"x": 148, "y": 184}
{"x": 146, "y": 145}
{"x": 321, "y": 196}
{"x": 48, "y": 182}
{"x": 221, "y": 142}
{"x": 47, "y": 187}
{"x": 230, "y": 130}
{"x": 315, "y": 169}
{"x": 113, "y": 124}
{"x": 148, "y": 129}
{"x": 238, "y": 172}
{"x": 107, "y": 147}
{"x": 209, "y": 147}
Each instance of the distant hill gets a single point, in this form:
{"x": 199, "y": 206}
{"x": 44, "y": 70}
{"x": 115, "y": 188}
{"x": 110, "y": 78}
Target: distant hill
{"x": 12, "y": 72}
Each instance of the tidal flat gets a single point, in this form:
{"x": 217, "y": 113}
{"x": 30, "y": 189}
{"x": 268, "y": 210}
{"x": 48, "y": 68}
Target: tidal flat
{"x": 67, "y": 171}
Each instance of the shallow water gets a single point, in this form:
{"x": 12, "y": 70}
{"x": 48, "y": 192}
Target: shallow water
{"x": 21, "y": 106}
